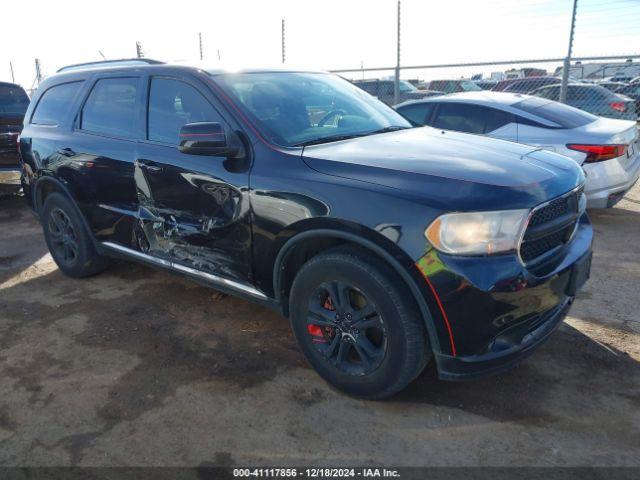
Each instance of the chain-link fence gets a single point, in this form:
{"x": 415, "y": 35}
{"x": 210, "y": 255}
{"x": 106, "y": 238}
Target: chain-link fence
{"x": 604, "y": 81}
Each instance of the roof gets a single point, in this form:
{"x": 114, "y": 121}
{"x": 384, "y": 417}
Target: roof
{"x": 481, "y": 97}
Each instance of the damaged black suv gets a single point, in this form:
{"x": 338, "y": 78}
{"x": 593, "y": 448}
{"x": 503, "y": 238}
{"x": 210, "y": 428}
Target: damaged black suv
{"x": 386, "y": 246}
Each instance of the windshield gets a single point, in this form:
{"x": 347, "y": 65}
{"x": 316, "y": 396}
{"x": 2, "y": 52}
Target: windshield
{"x": 295, "y": 109}
{"x": 469, "y": 86}
{"x": 406, "y": 86}
{"x": 13, "y": 100}
{"x": 563, "y": 115}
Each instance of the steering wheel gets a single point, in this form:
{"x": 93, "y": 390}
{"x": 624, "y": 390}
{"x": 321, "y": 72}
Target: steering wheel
{"x": 330, "y": 115}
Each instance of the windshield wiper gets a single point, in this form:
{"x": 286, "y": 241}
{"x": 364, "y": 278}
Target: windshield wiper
{"x": 336, "y": 138}
{"x": 331, "y": 138}
{"x": 392, "y": 128}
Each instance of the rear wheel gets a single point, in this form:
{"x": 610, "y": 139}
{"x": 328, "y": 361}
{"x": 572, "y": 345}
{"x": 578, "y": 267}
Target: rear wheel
{"x": 356, "y": 325}
{"x": 68, "y": 240}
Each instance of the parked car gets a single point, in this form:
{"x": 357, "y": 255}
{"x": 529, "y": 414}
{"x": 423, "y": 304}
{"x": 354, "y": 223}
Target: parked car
{"x": 385, "y": 246}
{"x": 453, "y": 86}
{"x": 384, "y": 90}
{"x": 593, "y": 99}
{"x": 526, "y": 85}
{"x": 632, "y": 91}
{"x": 621, "y": 78}
{"x": 486, "y": 84}
{"x": 612, "y": 86}
{"x": 607, "y": 149}
{"x": 13, "y": 105}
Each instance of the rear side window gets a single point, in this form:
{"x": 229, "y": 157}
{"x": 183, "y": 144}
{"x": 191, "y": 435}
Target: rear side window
{"x": 111, "y": 107}
{"x": 470, "y": 118}
{"x": 54, "y": 104}
{"x": 172, "y": 104}
{"x": 13, "y": 100}
{"x": 562, "y": 115}
{"x": 418, "y": 113}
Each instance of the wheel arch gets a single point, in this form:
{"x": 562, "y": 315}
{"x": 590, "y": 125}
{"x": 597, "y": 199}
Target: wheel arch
{"x": 328, "y": 237}
{"x": 46, "y": 185}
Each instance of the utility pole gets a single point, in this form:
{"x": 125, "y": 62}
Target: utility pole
{"x": 139, "y": 52}
{"x": 13, "y": 79}
{"x": 38, "y": 71}
{"x": 200, "y": 40}
{"x": 283, "y": 47}
{"x": 567, "y": 60}
{"x": 396, "y": 83}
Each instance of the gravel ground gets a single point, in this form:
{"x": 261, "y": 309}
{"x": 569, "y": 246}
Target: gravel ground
{"x": 139, "y": 367}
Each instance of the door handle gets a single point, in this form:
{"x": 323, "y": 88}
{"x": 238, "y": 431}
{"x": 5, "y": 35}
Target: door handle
{"x": 67, "y": 152}
{"x": 151, "y": 167}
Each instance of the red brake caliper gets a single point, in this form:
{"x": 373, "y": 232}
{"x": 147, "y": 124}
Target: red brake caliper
{"x": 321, "y": 334}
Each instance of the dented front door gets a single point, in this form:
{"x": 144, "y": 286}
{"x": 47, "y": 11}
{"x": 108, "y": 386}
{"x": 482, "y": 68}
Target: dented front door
{"x": 193, "y": 210}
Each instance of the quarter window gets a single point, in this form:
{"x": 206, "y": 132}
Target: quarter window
{"x": 172, "y": 104}
{"x": 54, "y": 104}
{"x": 111, "y": 107}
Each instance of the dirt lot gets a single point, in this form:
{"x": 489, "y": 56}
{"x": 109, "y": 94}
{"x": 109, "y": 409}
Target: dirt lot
{"x": 138, "y": 367}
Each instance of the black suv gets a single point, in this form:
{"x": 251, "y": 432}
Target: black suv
{"x": 385, "y": 245}
{"x": 13, "y": 105}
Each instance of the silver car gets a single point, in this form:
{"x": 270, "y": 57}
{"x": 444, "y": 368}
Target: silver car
{"x": 607, "y": 149}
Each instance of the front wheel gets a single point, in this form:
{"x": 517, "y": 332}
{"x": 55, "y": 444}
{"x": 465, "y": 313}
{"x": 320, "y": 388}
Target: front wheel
{"x": 356, "y": 324}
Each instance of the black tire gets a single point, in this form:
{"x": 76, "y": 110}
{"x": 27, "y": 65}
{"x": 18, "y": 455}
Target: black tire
{"x": 70, "y": 244}
{"x": 395, "y": 347}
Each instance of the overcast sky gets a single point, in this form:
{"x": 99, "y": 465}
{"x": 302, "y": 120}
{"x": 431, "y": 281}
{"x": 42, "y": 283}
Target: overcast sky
{"x": 327, "y": 34}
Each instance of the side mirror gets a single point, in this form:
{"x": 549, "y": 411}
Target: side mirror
{"x": 205, "y": 138}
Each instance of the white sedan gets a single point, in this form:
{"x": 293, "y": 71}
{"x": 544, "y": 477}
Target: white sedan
{"x": 607, "y": 149}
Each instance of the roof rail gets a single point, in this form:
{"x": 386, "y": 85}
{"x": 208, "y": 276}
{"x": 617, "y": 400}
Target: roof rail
{"x": 115, "y": 63}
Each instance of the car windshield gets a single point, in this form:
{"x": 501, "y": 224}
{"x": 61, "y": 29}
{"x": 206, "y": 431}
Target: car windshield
{"x": 469, "y": 86}
{"x": 406, "y": 86}
{"x": 13, "y": 100}
{"x": 562, "y": 115}
{"x": 296, "y": 109}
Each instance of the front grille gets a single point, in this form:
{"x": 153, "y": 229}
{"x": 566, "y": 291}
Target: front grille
{"x": 551, "y": 226}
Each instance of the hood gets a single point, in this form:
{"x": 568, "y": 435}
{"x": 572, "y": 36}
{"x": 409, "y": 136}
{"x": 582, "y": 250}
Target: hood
{"x": 445, "y": 166}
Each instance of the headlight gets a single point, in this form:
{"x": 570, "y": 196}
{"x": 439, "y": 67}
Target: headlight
{"x": 477, "y": 233}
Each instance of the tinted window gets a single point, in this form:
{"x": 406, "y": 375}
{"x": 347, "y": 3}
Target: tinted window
{"x": 13, "y": 100}
{"x": 298, "y": 108}
{"x": 558, "y": 113}
{"x": 111, "y": 106}
{"x": 552, "y": 93}
{"x": 461, "y": 118}
{"x": 418, "y": 113}
{"x": 54, "y": 104}
{"x": 495, "y": 119}
{"x": 173, "y": 104}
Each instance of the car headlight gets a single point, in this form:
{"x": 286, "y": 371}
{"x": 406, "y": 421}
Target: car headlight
{"x": 477, "y": 233}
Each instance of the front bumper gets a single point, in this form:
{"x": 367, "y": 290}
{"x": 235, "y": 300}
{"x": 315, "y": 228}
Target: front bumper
{"x": 491, "y": 312}
{"x": 501, "y": 359}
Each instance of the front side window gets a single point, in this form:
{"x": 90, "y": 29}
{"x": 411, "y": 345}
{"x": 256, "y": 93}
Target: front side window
{"x": 295, "y": 109}
{"x": 111, "y": 107}
{"x": 172, "y": 104}
{"x": 54, "y": 104}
